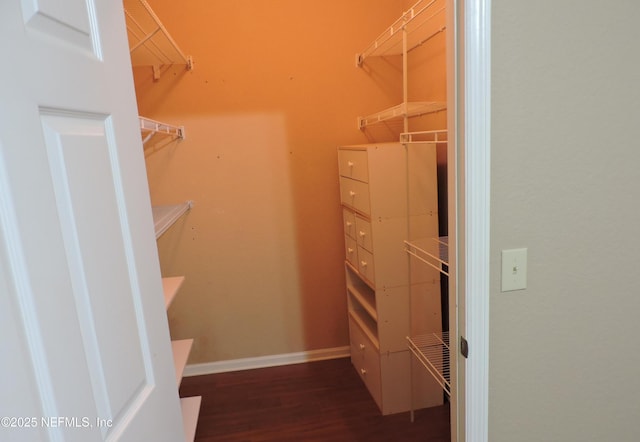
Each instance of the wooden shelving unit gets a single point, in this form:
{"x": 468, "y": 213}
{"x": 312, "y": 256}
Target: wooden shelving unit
{"x": 373, "y": 193}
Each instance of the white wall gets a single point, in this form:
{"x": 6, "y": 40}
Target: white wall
{"x": 564, "y": 360}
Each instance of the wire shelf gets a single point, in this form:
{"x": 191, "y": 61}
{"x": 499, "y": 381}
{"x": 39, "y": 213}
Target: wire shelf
{"x": 432, "y": 351}
{"x": 432, "y": 251}
{"x": 410, "y": 109}
{"x": 165, "y": 216}
{"x": 424, "y": 20}
{"x": 150, "y": 43}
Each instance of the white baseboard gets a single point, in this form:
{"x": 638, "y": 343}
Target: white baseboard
{"x": 266, "y": 361}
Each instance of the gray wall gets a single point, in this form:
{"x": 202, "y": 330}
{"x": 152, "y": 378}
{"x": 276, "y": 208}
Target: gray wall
{"x": 564, "y": 358}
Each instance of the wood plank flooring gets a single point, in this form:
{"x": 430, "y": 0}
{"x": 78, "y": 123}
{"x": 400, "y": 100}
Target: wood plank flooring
{"x": 317, "y": 401}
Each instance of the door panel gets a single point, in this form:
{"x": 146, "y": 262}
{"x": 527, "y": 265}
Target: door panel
{"x": 79, "y": 153}
{"x": 66, "y": 20}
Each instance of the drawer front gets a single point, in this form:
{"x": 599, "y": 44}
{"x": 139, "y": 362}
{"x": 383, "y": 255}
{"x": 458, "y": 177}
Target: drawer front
{"x": 349, "y": 221}
{"x": 359, "y": 344}
{"x": 366, "y": 361}
{"x": 351, "y": 250}
{"x": 353, "y": 164}
{"x": 363, "y": 233}
{"x": 365, "y": 264}
{"x": 355, "y": 194}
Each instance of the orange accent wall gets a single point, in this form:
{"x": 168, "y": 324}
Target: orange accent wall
{"x": 273, "y": 93}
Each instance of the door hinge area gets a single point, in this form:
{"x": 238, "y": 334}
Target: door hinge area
{"x": 464, "y": 347}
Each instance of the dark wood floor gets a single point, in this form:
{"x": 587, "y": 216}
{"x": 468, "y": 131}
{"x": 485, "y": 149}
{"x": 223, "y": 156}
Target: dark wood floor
{"x": 317, "y": 401}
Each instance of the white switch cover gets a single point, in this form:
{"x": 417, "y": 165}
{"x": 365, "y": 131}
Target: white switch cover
{"x": 514, "y": 269}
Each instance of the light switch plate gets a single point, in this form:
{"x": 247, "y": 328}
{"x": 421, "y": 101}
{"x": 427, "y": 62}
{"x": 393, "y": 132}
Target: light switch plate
{"x": 514, "y": 269}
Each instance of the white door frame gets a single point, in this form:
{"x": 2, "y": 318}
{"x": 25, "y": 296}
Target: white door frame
{"x": 469, "y": 118}
{"x": 473, "y": 152}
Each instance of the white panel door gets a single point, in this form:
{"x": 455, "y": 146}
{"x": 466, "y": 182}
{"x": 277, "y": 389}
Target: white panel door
{"x": 84, "y": 342}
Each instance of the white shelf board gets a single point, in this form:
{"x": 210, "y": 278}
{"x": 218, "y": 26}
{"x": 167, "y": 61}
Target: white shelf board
{"x": 363, "y": 301}
{"x": 190, "y": 411}
{"x": 170, "y": 287}
{"x": 181, "y": 350}
{"x": 411, "y": 109}
{"x": 165, "y": 216}
{"x": 366, "y": 329}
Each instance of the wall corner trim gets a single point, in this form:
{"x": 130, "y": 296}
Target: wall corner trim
{"x": 267, "y": 361}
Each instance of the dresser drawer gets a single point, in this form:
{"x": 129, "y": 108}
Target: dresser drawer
{"x": 351, "y": 250}
{"x": 349, "y": 222}
{"x": 353, "y": 164}
{"x": 363, "y": 233}
{"x": 366, "y": 360}
{"x": 355, "y": 194}
{"x": 365, "y": 264}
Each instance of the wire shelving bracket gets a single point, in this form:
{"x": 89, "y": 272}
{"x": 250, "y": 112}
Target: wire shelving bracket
{"x": 150, "y": 127}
